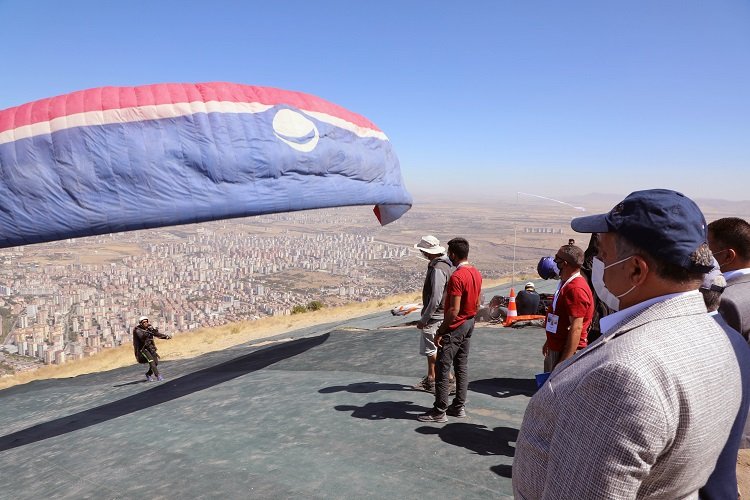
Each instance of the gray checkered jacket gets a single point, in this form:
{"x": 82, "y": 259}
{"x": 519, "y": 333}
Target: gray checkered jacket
{"x": 641, "y": 413}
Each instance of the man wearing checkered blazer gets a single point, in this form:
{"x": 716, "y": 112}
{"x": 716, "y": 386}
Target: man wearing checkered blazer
{"x": 645, "y": 411}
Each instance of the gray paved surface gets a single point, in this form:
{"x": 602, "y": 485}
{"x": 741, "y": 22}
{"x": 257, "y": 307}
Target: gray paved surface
{"x": 330, "y": 414}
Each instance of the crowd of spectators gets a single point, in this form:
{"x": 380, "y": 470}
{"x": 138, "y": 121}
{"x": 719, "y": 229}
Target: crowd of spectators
{"x": 646, "y": 380}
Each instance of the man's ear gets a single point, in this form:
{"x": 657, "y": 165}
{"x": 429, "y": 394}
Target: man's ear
{"x": 726, "y": 256}
{"x": 639, "y": 270}
{"x": 731, "y": 255}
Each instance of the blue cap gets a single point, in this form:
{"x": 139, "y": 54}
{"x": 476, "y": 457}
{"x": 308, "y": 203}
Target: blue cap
{"x": 666, "y": 224}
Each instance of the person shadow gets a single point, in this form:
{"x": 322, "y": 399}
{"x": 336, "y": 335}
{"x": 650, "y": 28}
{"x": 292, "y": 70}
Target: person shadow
{"x": 503, "y": 470}
{"x": 366, "y": 388}
{"x": 381, "y": 410}
{"x": 479, "y": 439}
{"x": 162, "y": 393}
{"x": 504, "y": 387}
{"x": 135, "y": 382}
{"x": 476, "y": 438}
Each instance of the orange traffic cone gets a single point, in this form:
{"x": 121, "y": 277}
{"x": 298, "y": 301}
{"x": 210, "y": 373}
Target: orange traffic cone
{"x": 512, "y": 311}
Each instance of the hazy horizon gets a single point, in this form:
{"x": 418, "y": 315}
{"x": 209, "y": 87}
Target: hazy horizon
{"x": 592, "y": 201}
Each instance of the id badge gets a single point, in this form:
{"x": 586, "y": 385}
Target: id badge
{"x": 551, "y": 325}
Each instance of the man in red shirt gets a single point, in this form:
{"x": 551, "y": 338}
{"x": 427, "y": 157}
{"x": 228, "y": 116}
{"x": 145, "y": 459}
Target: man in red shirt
{"x": 453, "y": 338}
{"x": 572, "y": 308}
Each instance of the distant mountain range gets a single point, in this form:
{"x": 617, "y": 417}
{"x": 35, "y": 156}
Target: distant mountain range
{"x": 594, "y": 203}
{"x": 712, "y": 208}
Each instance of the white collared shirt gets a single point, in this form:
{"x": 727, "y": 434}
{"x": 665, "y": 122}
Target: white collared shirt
{"x": 730, "y": 275}
{"x": 608, "y": 322}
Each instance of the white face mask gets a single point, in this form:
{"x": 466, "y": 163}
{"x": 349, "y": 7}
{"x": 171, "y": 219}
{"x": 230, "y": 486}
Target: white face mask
{"x": 714, "y": 254}
{"x": 597, "y": 279}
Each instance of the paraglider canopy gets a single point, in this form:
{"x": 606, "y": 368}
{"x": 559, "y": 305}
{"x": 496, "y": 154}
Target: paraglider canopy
{"x": 123, "y": 158}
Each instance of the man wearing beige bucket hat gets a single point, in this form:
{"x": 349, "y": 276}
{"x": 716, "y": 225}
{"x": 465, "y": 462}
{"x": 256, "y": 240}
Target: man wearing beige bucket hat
{"x": 439, "y": 270}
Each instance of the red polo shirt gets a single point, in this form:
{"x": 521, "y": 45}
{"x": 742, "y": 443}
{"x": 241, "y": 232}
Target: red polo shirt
{"x": 465, "y": 282}
{"x": 574, "y": 299}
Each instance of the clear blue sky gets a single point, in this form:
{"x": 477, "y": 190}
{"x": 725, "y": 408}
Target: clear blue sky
{"x": 549, "y": 97}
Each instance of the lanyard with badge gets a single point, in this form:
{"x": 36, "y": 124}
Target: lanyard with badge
{"x": 553, "y": 319}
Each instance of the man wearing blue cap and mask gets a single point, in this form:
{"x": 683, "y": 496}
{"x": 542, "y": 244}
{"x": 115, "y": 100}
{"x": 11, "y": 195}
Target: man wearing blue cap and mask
{"x": 662, "y": 383}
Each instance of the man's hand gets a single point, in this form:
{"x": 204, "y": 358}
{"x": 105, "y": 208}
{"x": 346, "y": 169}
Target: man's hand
{"x": 421, "y": 325}
{"x": 439, "y": 339}
{"x": 545, "y": 349}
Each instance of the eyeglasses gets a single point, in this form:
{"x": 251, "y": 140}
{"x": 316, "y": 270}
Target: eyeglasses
{"x": 558, "y": 261}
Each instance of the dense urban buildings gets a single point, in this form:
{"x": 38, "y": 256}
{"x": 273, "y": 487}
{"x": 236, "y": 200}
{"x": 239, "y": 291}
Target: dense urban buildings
{"x": 70, "y": 299}
{"x": 66, "y": 304}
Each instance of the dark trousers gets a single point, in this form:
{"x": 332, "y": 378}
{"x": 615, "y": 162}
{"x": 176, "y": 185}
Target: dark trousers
{"x": 454, "y": 351}
{"x": 153, "y": 361}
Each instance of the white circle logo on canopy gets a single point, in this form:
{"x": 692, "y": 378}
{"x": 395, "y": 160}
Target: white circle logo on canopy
{"x": 295, "y": 130}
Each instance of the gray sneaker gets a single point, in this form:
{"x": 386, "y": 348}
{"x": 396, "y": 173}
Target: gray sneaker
{"x": 456, "y": 411}
{"x": 434, "y": 416}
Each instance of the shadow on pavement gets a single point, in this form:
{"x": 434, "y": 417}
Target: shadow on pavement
{"x": 503, "y": 470}
{"x": 366, "y": 387}
{"x": 135, "y": 382}
{"x": 476, "y": 438}
{"x": 504, "y": 387}
{"x": 381, "y": 410}
{"x": 168, "y": 391}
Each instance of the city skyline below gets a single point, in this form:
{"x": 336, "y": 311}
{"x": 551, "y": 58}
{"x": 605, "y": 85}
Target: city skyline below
{"x": 71, "y": 299}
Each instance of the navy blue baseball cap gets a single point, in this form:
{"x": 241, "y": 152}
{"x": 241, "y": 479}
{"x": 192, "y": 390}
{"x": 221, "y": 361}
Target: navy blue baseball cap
{"x": 664, "y": 223}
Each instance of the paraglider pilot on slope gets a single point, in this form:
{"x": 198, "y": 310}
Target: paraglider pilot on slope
{"x": 145, "y": 349}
